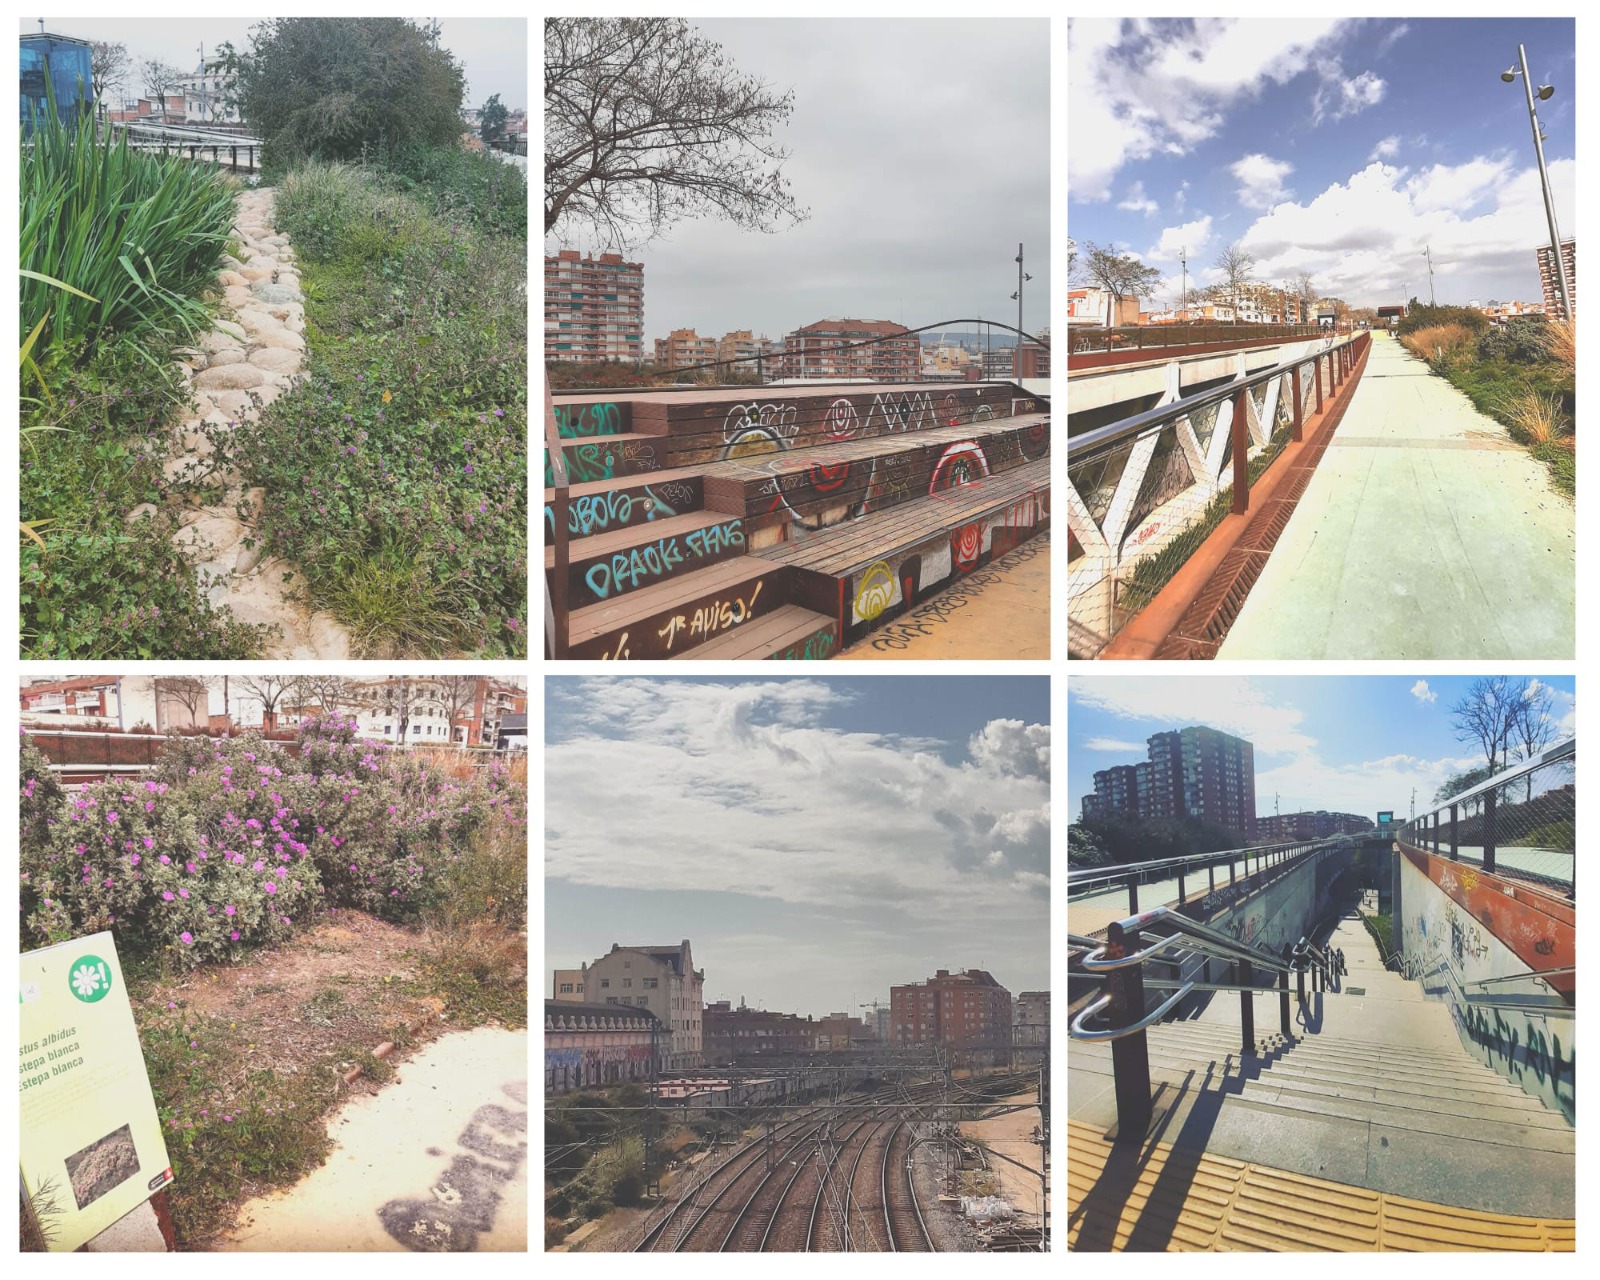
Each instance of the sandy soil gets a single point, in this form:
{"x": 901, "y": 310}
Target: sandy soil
{"x": 1008, "y": 1134}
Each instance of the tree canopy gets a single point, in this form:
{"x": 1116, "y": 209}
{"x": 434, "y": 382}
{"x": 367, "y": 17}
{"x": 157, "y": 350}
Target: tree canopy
{"x": 648, "y": 123}
{"x": 1120, "y": 274}
{"x": 330, "y": 87}
{"x": 492, "y": 119}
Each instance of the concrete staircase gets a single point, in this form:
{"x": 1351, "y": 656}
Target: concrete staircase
{"x": 1372, "y": 1090}
{"x": 785, "y": 522}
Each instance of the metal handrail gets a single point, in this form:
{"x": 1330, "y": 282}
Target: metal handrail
{"x": 1098, "y": 962}
{"x": 557, "y": 615}
{"x": 1102, "y": 439}
{"x": 1076, "y": 1027}
{"x": 1558, "y": 752}
{"x": 1518, "y": 977}
{"x": 1255, "y": 955}
{"x": 1084, "y": 877}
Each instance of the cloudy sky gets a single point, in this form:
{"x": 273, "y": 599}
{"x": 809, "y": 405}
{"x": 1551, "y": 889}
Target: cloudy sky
{"x": 493, "y": 51}
{"x": 922, "y": 149}
{"x": 1348, "y": 744}
{"x": 1338, "y": 147}
{"x": 817, "y": 841}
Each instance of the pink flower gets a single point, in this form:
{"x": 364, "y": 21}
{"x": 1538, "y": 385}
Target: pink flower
{"x": 186, "y": 937}
{"x": 166, "y": 895}
{"x": 228, "y": 910}
{"x": 112, "y": 816}
{"x": 271, "y": 888}
{"x": 149, "y": 842}
{"x": 234, "y": 935}
{"x": 183, "y": 893}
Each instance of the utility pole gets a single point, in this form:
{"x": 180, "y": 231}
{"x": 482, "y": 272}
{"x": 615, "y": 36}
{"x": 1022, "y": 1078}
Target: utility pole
{"x": 1183, "y": 298}
{"x": 1427, "y": 252}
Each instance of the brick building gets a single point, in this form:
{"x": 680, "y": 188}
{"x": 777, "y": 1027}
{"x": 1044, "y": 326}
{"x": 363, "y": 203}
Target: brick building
{"x": 660, "y": 979}
{"x": 1549, "y": 282}
{"x": 744, "y": 1032}
{"x": 811, "y": 351}
{"x": 683, "y": 348}
{"x": 1310, "y": 825}
{"x": 957, "y": 1010}
{"x": 1198, "y": 772}
{"x": 593, "y": 307}
{"x": 1030, "y": 1018}
{"x": 1031, "y": 360}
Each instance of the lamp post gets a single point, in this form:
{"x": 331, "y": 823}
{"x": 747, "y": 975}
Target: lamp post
{"x": 1544, "y": 93}
{"x": 1427, "y": 252}
{"x": 1016, "y": 350}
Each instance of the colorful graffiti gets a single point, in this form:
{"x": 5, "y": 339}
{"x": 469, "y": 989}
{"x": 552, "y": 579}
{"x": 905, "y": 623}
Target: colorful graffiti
{"x": 966, "y": 545}
{"x": 960, "y": 464}
{"x": 641, "y": 565}
{"x": 617, "y": 509}
{"x": 944, "y": 605}
{"x": 708, "y": 619}
{"x": 875, "y": 592}
{"x": 815, "y": 647}
{"x": 841, "y": 421}
{"x": 573, "y": 420}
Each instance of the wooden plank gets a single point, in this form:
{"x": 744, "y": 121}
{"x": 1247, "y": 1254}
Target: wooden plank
{"x": 624, "y": 501}
{"x": 612, "y": 564}
{"x": 669, "y": 617}
{"x": 782, "y": 630}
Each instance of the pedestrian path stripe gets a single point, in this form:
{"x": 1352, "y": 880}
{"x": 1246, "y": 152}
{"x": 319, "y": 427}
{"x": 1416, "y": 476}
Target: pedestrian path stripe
{"x": 1157, "y": 1198}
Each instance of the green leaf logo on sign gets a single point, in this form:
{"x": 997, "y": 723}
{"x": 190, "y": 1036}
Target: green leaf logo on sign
{"x": 90, "y": 979}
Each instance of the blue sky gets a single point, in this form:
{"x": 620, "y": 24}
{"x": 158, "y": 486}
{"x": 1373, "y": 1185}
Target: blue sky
{"x": 816, "y": 840}
{"x": 1351, "y": 744}
{"x": 1340, "y": 147}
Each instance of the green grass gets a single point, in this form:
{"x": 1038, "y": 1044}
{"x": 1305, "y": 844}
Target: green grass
{"x": 1381, "y": 927}
{"x": 1492, "y": 384}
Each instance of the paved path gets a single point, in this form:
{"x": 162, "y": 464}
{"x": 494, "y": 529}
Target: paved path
{"x": 435, "y": 1162}
{"x": 1426, "y": 532}
{"x": 999, "y": 611}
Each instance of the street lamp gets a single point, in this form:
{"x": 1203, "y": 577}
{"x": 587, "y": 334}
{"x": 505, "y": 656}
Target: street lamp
{"x": 1017, "y": 298}
{"x": 1544, "y": 93}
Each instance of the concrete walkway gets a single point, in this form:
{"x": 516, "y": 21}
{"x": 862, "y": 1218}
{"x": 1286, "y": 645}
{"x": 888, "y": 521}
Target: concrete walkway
{"x": 1426, "y": 532}
{"x": 999, "y": 611}
{"x": 435, "y": 1162}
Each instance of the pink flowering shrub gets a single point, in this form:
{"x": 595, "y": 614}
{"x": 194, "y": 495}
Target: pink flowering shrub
{"x": 231, "y": 843}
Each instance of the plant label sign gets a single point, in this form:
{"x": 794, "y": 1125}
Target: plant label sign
{"x": 91, "y": 1145}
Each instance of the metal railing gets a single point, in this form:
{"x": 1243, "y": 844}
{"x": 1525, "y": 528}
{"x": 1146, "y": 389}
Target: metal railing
{"x": 1521, "y": 822}
{"x": 1121, "y": 961}
{"x": 1143, "y": 493}
{"x": 1087, "y": 882}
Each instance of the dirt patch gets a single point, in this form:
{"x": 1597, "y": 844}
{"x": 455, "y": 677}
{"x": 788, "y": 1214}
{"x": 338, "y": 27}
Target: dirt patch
{"x": 347, "y": 981}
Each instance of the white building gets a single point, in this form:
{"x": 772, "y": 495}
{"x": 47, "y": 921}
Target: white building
{"x": 205, "y": 94}
{"x": 660, "y": 979}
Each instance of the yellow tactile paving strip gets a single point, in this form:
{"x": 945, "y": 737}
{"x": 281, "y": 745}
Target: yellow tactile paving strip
{"x": 1160, "y": 1199}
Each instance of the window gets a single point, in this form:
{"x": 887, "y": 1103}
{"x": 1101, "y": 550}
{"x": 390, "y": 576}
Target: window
{"x": 627, "y": 982}
{"x": 604, "y": 983}
{"x": 566, "y": 986}
{"x": 650, "y": 982}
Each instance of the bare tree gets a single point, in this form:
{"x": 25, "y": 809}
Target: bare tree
{"x": 1237, "y": 265}
{"x": 109, "y": 65}
{"x": 646, "y": 123}
{"x": 270, "y": 692}
{"x": 158, "y": 78}
{"x": 331, "y": 693}
{"x": 1533, "y": 725}
{"x": 193, "y": 693}
{"x": 1487, "y": 715}
{"x": 1121, "y": 275}
{"x": 457, "y": 694}
{"x": 1305, "y": 288}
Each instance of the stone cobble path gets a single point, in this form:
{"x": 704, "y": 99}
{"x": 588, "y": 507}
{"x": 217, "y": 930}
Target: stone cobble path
{"x": 246, "y": 362}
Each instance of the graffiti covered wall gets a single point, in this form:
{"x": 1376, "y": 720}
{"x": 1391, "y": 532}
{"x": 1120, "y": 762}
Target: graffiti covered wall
{"x": 1458, "y": 925}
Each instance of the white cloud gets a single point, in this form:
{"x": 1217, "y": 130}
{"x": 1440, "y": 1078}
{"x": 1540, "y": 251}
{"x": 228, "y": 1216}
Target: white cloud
{"x": 1113, "y": 744}
{"x": 1365, "y": 787}
{"x": 1362, "y": 239}
{"x": 1193, "y": 236}
{"x": 746, "y": 788}
{"x": 1234, "y": 704}
{"x": 1387, "y": 149}
{"x": 1339, "y": 96}
{"x": 1141, "y": 87}
{"x": 1012, "y": 748}
{"x": 1391, "y": 37}
{"x": 995, "y": 859}
{"x": 1260, "y": 180}
{"x": 1422, "y": 693}
{"x": 1137, "y": 202}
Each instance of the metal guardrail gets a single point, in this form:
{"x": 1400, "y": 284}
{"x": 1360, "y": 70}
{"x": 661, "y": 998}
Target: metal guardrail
{"x": 1157, "y": 337}
{"x": 1087, "y": 882}
{"x": 1121, "y": 961}
{"x": 1143, "y": 493}
{"x": 1522, "y": 821}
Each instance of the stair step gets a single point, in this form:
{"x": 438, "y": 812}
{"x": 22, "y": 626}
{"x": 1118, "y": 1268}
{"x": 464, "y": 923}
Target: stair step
{"x": 576, "y": 420}
{"x": 608, "y": 565}
{"x": 667, "y": 618}
{"x": 824, "y": 484}
{"x": 789, "y": 632}
{"x": 628, "y": 453}
{"x": 603, "y": 505}
{"x": 869, "y": 570}
{"x": 1405, "y": 1116}
{"x": 1491, "y": 1108}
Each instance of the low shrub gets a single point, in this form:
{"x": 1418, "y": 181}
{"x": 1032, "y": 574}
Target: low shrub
{"x": 230, "y": 843}
{"x": 1442, "y": 344}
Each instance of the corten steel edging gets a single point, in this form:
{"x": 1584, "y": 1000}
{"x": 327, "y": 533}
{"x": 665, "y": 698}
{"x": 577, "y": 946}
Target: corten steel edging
{"x": 1091, "y": 361}
{"x": 1145, "y": 633}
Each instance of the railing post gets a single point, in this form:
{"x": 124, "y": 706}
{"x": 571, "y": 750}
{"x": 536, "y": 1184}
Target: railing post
{"x": 1316, "y": 367}
{"x": 1130, "y": 1054}
{"x": 1300, "y": 970}
{"x": 1233, "y": 873}
{"x": 557, "y": 624}
{"x": 1488, "y": 829}
{"x": 1181, "y": 894}
{"x": 1211, "y": 876}
{"x": 1299, "y": 409}
{"x": 1285, "y": 1020}
{"x": 1241, "y": 454}
{"x": 1455, "y": 845}
{"x": 1133, "y": 894}
{"x": 1247, "y": 1008}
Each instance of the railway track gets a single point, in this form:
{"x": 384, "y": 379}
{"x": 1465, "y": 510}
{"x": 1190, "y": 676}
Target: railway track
{"x": 830, "y": 1184}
